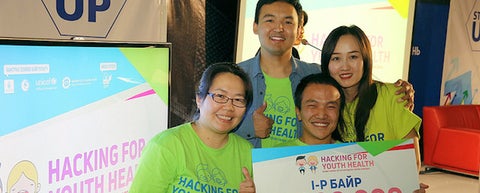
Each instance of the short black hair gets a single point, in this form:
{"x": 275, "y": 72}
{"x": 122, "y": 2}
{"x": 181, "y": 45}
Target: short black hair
{"x": 323, "y": 78}
{"x": 300, "y": 157}
{"x": 305, "y": 17}
{"x": 295, "y": 3}
{"x": 222, "y": 67}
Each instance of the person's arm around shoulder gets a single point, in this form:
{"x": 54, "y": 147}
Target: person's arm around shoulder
{"x": 406, "y": 92}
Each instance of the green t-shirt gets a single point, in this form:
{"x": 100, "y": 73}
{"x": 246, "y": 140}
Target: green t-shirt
{"x": 176, "y": 160}
{"x": 389, "y": 120}
{"x": 280, "y": 108}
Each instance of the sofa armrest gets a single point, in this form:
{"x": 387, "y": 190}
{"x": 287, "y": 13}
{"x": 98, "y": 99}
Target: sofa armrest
{"x": 431, "y": 125}
{"x": 458, "y": 148}
{"x": 436, "y": 117}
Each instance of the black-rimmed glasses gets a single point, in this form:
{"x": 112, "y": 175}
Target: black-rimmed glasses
{"x": 222, "y": 99}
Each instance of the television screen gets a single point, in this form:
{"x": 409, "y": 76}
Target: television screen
{"x": 74, "y": 116}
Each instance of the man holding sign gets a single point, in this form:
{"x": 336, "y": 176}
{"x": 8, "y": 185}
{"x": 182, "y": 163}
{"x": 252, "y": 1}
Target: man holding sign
{"x": 319, "y": 101}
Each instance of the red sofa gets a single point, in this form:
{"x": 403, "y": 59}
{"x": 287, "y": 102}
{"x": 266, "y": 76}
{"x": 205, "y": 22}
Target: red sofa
{"x": 451, "y": 138}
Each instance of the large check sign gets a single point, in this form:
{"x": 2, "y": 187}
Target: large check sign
{"x": 364, "y": 167}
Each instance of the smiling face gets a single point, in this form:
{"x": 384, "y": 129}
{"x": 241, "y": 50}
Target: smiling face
{"x": 222, "y": 118}
{"x": 24, "y": 185}
{"x": 320, "y": 110}
{"x": 277, "y": 27}
{"x": 346, "y": 63}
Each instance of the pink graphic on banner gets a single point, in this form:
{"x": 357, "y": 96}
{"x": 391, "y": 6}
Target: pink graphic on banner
{"x": 146, "y": 93}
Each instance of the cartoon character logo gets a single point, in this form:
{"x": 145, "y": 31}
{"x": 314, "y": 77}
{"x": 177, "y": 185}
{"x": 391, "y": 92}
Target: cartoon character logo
{"x": 204, "y": 173}
{"x": 280, "y": 104}
{"x": 312, "y": 162}
{"x": 23, "y": 178}
{"x": 301, "y": 162}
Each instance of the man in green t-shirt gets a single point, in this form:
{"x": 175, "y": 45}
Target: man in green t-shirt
{"x": 319, "y": 99}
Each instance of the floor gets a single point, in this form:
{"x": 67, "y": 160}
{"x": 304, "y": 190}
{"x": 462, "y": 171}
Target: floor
{"x": 448, "y": 182}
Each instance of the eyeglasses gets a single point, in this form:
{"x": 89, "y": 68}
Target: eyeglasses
{"x": 222, "y": 99}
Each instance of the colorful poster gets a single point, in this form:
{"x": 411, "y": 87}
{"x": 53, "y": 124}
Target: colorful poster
{"x": 382, "y": 166}
{"x": 461, "y": 70}
{"x": 75, "y": 118}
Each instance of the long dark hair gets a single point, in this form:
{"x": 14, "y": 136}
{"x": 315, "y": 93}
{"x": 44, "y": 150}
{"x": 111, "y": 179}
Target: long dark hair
{"x": 209, "y": 75}
{"x": 323, "y": 78}
{"x": 367, "y": 90}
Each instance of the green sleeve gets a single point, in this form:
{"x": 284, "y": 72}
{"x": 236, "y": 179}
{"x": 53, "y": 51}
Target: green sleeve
{"x": 157, "y": 168}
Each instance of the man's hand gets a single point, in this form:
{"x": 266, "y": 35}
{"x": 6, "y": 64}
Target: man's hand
{"x": 247, "y": 186}
{"x": 407, "y": 89}
{"x": 261, "y": 123}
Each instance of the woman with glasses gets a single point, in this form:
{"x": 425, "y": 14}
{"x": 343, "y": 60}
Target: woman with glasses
{"x": 203, "y": 155}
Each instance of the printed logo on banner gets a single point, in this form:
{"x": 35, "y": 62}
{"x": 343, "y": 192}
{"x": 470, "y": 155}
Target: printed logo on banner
{"x": 8, "y": 86}
{"x": 25, "y": 85}
{"x": 84, "y": 18}
{"x": 473, "y": 27}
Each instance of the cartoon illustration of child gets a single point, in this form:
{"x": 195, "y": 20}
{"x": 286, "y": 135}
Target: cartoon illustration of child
{"x": 23, "y": 178}
{"x": 312, "y": 162}
{"x": 301, "y": 162}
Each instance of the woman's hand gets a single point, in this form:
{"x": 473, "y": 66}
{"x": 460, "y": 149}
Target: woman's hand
{"x": 247, "y": 186}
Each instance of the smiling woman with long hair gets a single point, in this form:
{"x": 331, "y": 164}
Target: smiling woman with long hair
{"x": 372, "y": 112}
